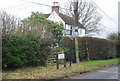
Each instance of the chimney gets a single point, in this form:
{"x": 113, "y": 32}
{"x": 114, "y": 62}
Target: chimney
{"x": 55, "y": 7}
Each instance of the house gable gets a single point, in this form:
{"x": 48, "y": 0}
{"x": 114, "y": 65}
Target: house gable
{"x": 68, "y": 22}
{"x": 55, "y": 17}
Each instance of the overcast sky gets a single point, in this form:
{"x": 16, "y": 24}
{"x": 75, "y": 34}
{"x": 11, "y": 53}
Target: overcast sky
{"x": 22, "y": 9}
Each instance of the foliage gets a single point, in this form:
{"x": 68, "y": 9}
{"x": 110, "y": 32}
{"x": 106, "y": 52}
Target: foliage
{"x": 39, "y": 25}
{"x": 37, "y": 17}
{"x": 116, "y": 38}
{"x": 68, "y": 46}
{"x": 31, "y": 42}
{"x": 113, "y": 36}
{"x": 27, "y": 50}
{"x": 56, "y": 50}
{"x": 97, "y": 48}
{"x": 57, "y": 32}
{"x": 118, "y": 48}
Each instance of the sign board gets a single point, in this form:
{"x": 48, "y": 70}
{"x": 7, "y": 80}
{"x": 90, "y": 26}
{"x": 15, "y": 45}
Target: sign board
{"x": 75, "y": 27}
{"x": 75, "y": 34}
{"x": 61, "y": 56}
{"x": 58, "y": 57}
{"x": 67, "y": 32}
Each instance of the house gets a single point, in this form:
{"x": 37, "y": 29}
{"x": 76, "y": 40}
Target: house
{"x": 67, "y": 21}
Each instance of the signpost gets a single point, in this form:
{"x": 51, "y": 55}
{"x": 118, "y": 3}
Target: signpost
{"x": 66, "y": 32}
{"x": 60, "y": 57}
{"x": 75, "y": 34}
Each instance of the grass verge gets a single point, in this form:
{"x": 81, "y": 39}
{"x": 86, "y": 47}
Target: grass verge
{"x": 51, "y": 72}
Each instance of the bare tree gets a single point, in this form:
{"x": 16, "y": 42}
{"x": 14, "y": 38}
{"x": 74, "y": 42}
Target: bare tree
{"x": 87, "y": 14}
{"x": 8, "y": 23}
{"x": 34, "y": 27}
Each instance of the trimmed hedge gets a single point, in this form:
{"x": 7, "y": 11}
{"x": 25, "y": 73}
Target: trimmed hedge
{"x": 118, "y": 48}
{"x": 27, "y": 50}
{"x": 98, "y": 49}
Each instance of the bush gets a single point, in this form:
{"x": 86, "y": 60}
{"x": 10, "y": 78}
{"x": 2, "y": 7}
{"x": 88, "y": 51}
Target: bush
{"x": 68, "y": 45}
{"x": 27, "y": 50}
{"x": 98, "y": 49}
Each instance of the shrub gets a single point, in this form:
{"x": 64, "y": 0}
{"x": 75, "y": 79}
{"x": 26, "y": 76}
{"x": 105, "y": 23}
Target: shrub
{"x": 27, "y": 50}
{"x": 68, "y": 45}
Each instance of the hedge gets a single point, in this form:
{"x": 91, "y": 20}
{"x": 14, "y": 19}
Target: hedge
{"x": 29, "y": 50}
{"x": 19, "y": 51}
{"x": 98, "y": 49}
{"x": 118, "y": 48}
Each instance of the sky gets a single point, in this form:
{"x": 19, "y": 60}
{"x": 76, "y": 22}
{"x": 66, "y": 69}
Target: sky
{"x": 22, "y": 9}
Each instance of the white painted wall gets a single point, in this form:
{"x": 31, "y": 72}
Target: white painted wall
{"x": 68, "y": 27}
{"x": 56, "y": 18}
{"x": 81, "y": 32}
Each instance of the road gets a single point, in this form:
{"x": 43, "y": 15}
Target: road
{"x": 108, "y": 73}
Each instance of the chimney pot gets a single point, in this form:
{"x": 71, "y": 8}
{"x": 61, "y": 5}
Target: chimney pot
{"x": 55, "y": 7}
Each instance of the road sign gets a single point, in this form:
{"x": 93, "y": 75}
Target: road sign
{"x": 75, "y": 27}
{"x": 75, "y": 34}
{"x": 66, "y": 32}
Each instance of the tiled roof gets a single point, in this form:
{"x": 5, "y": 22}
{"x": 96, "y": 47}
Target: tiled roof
{"x": 46, "y": 15}
{"x": 67, "y": 19}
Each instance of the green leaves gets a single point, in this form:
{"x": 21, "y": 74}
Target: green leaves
{"x": 98, "y": 49}
{"x": 40, "y": 25}
{"x": 37, "y": 17}
{"x": 113, "y": 36}
{"x": 27, "y": 50}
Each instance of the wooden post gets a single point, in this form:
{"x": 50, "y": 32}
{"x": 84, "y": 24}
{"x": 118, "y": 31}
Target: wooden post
{"x": 71, "y": 52}
{"x": 87, "y": 49}
{"x": 57, "y": 61}
{"x": 76, "y": 50}
{"x": 64, "y": 59}
{"x": 70, "y": 62}
{"x": 65, "y": 62}
{"x": 76, "y": 24}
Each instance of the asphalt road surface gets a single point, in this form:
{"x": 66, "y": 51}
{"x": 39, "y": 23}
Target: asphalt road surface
{"x": 108, "y": 73}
